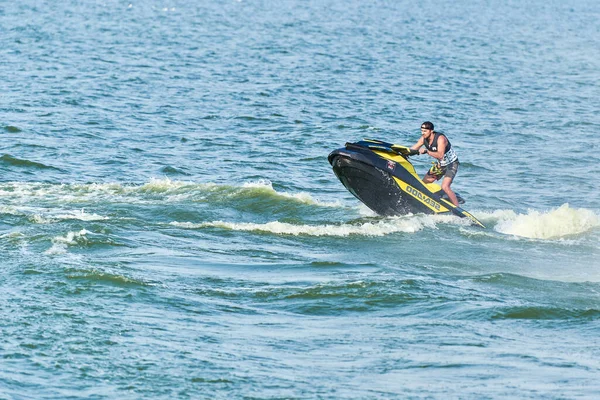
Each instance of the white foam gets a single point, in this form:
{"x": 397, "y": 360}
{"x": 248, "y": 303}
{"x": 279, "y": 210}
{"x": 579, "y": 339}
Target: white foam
{"x": 260, "y": 184}
{"x": 12, "y": 235}
{"x": 49, "y": 217}
{"x": 380, "y": 228}
{"x": 89, "y": 191}
{"x": 38, "y": 219}
{"x": 159, "y": 185}
{"x": 61, "y": 243}
{"x": 561, "y": 222}
{"x": 56, "y": 249}
{"x": 71, "y": 238}
{"x": 9, "y": 210}
{"x": 81, "y": 215}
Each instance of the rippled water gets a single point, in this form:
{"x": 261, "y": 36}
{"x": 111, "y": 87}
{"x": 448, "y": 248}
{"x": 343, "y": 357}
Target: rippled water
{"x": 171, "y": 228}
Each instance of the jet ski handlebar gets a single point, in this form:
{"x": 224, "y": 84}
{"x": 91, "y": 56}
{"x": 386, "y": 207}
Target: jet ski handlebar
{"x": 405, "y": 151}
{"x": 383, "y": 146}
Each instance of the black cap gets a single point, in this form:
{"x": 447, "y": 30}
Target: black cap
{"x": 427, "y": 125}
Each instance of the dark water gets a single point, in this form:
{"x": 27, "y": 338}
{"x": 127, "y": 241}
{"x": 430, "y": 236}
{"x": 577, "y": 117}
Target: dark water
{"x": 171, "y": 228}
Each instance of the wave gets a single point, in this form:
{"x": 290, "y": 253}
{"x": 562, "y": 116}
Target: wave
{"x": 265, "y": 187}
{"x": 262, "y": 191}
{"x": 166, "y": 190}
{"x": 105, "y": 277}
{"x": 170, "y": 170}
{"x": 18, "y": 162}
{"x": 12, "y": 129}
{"x": 489, "y": 297}
{"x": 323, "y": 298}
{"x": 261, "y": 197}
{"x": 561, "y": 222}
{"x": 80, "y": 215}
{"x": 60, "y": 243}
{"x": 545, "y": 312}
{"x": 46, "y": 216}
{"x": 405, "y": 224}
{"x": 82, "y": 238}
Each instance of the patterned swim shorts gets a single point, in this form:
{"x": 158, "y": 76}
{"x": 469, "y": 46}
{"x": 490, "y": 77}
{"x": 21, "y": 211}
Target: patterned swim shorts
{"x": 449, "y": 170}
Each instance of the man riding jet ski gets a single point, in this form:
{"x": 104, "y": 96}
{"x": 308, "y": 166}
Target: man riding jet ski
{"x": 380, "y": 175}
{"x": 446, "y": 165}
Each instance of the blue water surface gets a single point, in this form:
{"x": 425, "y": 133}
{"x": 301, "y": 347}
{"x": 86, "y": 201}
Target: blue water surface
{"x": 170, "y": 226}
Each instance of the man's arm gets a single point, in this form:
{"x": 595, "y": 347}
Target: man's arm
{"x": 417, "y": 145}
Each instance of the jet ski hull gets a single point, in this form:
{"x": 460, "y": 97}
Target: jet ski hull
{"x": 380, "y": 175}
{"x": 375, "y": 187}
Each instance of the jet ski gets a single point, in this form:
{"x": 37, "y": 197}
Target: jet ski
{"x": 380, "y": 175}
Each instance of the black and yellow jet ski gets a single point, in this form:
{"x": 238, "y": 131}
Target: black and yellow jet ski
{"x": 380, "y": 175}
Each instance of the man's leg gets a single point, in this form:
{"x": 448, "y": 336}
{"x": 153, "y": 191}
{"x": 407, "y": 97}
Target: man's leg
{"x": 446, "y": 188}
